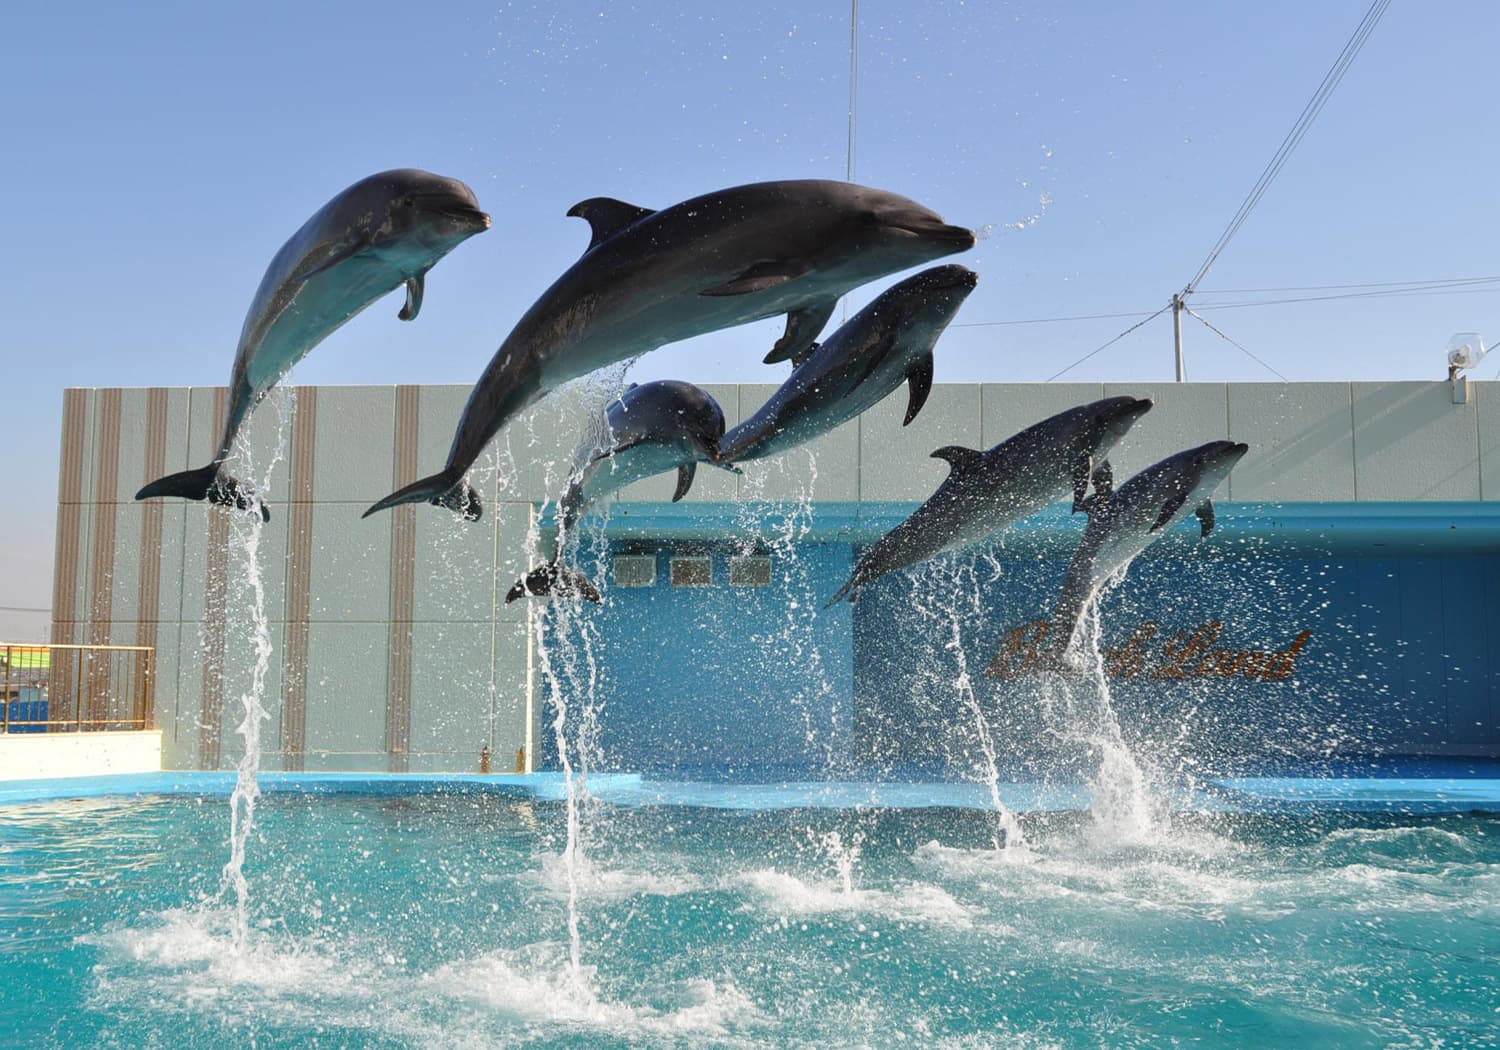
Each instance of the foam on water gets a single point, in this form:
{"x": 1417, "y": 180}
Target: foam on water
{"x": 589, "y": 879}
{"x": 531, "y": 985}
{"x": 782, "y": 893}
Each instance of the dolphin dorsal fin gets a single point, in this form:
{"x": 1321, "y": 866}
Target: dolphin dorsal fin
{"x": 959, "y": 458}
{"x": 607, "y": 217}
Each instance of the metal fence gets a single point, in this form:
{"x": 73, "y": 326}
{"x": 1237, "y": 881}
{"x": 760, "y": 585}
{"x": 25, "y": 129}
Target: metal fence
{"x": 76, "y": 688}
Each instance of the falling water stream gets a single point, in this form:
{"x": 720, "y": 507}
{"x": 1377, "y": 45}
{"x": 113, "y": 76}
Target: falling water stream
{"x": 948, "y": 606}
{"x": 567, "y": 642}
{"x": 247, "y": 531}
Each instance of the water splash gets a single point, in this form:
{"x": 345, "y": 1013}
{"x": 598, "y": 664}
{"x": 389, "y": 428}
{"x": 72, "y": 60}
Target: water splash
{"x": 246, "y": 532}
{"x": 1080, "y": 708}
{"x": 954, "y": 600}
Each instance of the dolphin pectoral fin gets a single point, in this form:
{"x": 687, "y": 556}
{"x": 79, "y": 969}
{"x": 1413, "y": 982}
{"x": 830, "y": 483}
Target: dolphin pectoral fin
{"x": 761, "y": 277}
{"x": 1082, "y": 464}
{"x": 919, "y": 382}
{"x": 802, "y": 327}
{"x": 415, "y": 286}
{"x": 1206, "y": 519}
{"x": 684, "y": 480}
{"x": 1170, "y": 507}
{"x": 1104, "y": 480}
{"x": 607, "y": 217}
{"x": 958, "y": 457}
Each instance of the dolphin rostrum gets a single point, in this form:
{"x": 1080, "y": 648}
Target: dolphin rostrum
{"x": 386, "y": 230}
{"x": 650, "y": 429}
{"x": 649, "y": 278}
{"x": 1125, "y": 522}
{"x": 988, "y": 491}
{"x": 887, "y": 343}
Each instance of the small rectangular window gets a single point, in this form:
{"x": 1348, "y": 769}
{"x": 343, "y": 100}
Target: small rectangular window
{"x": 692, "y": 572}
{"x": 635, "y": 570}
{"x": 750, "y": 570}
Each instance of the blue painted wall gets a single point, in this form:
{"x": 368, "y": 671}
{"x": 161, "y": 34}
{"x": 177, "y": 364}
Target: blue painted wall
{"x": 715, "y": 681}
{"x": 1397, "y": 612}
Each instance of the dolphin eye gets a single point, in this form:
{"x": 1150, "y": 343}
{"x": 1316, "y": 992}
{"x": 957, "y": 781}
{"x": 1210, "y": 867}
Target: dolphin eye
{"x": 409, "y": 200}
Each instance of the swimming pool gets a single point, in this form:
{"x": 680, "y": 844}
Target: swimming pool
{"x": 434, "y": 912}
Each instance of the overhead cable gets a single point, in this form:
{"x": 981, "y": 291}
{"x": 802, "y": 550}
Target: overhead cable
{"x": 1309, "y": 113}
{"x": 1109, "y": 344}
{"x": 1238, "y": 347}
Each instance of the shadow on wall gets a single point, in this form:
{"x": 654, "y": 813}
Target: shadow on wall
{"x": 1414, "y": 431}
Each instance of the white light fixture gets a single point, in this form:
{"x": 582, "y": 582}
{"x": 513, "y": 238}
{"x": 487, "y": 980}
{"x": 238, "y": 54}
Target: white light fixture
{"x": 1465, "y": 351}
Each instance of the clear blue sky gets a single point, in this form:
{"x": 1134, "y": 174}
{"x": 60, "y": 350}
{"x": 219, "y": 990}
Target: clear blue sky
{"x": 157, "y": 155}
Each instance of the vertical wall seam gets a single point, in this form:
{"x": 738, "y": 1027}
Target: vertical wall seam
{"x": 148, "y": 582}
{"x": 215, "y": 617}
{"x": 403, "y": 583}
{"x": 299, "y": 580}
{"x": 102, "y": 560}
{"x": 1354, "y": 443}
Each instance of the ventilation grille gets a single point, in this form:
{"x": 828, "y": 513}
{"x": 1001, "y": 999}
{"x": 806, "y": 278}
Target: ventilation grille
{"x": 692, "y": 572}
{"x": 750, "y": 570}
{"x": 635, "y": 570}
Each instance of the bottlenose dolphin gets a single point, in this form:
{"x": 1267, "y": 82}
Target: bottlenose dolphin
{"x": 1125, "y": 522}
{"x": 384, "y": 231}
{"x": 887, "y": 343}
{"x": 649, "y": 278}
{"x": 651, "y": 428}
{"x": 988, "y": 491}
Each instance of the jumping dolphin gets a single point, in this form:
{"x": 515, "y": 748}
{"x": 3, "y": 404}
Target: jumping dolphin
{"x": 649, "y": 278}
{"x": 887, "y": 343}
{"x": 651, "y": 429}
{"x": 988, "y": 491}
{"x": 384, "y": 231}
{"x": 1124, "y": 523}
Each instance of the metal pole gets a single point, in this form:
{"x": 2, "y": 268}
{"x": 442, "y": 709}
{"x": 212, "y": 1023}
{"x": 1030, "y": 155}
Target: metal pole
{"x": 1177, "y": 308}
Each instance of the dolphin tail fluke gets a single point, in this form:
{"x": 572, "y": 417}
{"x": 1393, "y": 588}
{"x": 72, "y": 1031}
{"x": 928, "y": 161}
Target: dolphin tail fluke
{"x": 554, "y": 579}
{"x": 441, "y": 490}
{"x": 204, "y": 483}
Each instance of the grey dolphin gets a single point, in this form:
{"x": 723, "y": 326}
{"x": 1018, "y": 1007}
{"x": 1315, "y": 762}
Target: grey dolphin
{"x": 649, "y": 278}
{"x": 988, "y": 491}
{"x": 385, "y": 230}
{"x": 887, "y": 343}
{"x": 1125, "y": 522}
{"x": 652, "y": 428}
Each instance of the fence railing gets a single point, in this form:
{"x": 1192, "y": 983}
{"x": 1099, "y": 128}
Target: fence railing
{"x": 76, "y": 688}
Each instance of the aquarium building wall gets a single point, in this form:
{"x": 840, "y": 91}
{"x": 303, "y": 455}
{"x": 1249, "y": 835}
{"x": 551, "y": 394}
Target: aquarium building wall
{"x": 1347, "y": 605}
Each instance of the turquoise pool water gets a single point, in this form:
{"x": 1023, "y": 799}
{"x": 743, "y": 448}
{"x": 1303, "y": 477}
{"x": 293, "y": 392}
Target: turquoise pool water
{"x": 439, "y": 918}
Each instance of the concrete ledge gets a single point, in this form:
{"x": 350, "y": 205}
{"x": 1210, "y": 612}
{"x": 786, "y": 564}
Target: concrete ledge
{"x": 44, "y": 756}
